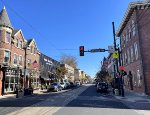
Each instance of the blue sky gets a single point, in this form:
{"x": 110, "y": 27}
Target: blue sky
{"x": 61, "y": 26}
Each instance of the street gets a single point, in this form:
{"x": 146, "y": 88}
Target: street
{"x": 82, "y": 100}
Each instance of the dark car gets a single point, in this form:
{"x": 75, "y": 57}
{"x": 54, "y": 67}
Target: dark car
{"x": 71, "y": 84}
{"x": 102, "y": 87}
{"x": 55, "y": 87}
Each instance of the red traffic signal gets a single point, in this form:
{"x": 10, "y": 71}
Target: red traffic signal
{"x": 81, "y": 49}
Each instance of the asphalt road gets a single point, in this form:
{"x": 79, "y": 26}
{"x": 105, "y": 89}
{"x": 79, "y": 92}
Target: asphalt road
{"x": 90, "y": 102}
{"x": 12, "y": 105}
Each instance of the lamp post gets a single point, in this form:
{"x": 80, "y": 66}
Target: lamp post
{"x": 17, "y": 94}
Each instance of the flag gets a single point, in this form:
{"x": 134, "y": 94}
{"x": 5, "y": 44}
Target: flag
{"x": 35, "y": 64}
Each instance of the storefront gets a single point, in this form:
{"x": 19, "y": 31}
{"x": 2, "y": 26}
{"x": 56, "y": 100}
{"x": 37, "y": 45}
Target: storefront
{"x": 11, "y": 79}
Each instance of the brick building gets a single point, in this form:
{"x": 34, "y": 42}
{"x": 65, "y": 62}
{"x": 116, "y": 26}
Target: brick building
{"x": 19, "y": 58}
{"x": 32, "y": 66}
{"x": 11, "y": 55}
{"x": 135, "y": 40}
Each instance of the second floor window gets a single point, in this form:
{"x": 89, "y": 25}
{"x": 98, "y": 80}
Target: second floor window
{"x": 29, "y": 62}
{"x": 136, "y": 50}
{"x": 34, "y": 50}
{"x": 132, "y": 58}
{"x": 31, "y": 49}
{"x": 15, "y": 59}
{"x": 128, "y": 53}
{"x": 20, "y": 60}
{"x": 17, "y": 42}
{"x": 20, "y": 44}
{"x": 8, "y": 37}
{"x": 6, "y": 56}
{"x": 133, "y": 27}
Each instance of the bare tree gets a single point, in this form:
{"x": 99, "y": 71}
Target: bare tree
{"x": 69, "y": 60}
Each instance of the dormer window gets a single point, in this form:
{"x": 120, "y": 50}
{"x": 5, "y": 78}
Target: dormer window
{"x": 20, "y": 44}
{"x": 34, "y": 50}
{"x": 31, "y": 49}
{"x": 8, "y": 37}
{"x": 17, "y": 42}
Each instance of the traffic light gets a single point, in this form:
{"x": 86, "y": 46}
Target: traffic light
{"x": 81, "y": 48}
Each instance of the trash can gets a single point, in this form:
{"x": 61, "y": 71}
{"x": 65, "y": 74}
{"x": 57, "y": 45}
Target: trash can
{"x": 116, "y": 92}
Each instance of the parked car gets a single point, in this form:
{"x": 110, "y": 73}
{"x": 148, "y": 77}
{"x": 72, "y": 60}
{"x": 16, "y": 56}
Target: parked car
{"x": 55, "y": 87}
{"x": 77, "y": 83}
{"x": 63, "y": 85}
{"x": 71, "y": 84}
{"x": 102, "y": 87}
{"x": 68, "y": 84}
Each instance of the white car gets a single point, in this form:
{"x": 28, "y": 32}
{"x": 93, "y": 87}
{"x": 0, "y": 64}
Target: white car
{"x": 77, "y": 83}
{"x": 63, "y": 85}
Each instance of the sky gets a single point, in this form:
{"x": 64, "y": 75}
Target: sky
{"x": 61, "y": 26}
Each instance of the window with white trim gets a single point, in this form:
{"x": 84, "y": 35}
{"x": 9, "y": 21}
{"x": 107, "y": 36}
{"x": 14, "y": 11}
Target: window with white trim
{"x": 20, "y": 60}
{"x": 29, "y": 62}
{"x": 129, "y": 32}
{"x": 133, "y": 27}
{"x": 132, "y": 57}
{"x": 136, "y": 50}
{"x": 34, "y": 50}
{"x": 125, "y": 57}
{"x": 20, "y": 44}
{"x": 17, "y": 42}
{"x": 31, "y": 49}
{"x": 8, "y": 37}
{"x": 126, "y": 35}
{"x": 128, "y": 53}
{"x": 15, "y": 58}
{"x": 6, "y": 56}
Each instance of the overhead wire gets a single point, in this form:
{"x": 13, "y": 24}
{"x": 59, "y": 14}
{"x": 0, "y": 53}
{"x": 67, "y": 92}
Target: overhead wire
{"x": 33, "y": 28}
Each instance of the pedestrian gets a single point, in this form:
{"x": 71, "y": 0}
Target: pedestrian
{"x": 130, "y": 78}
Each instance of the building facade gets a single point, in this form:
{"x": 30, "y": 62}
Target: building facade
{"x": 48, "y": 69}
{"x": 32, "y": 66}
{"x": 12, "y": 43}
{"x": 69, "y": 76}
{"x": 134, "y": 35}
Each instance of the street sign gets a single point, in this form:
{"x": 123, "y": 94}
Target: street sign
{"x": 97, "y": 50}
{"x": 111, "y": 49}
{"x": 115, "y": 55}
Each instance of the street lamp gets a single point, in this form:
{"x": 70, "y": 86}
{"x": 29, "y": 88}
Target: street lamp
{"x": 25, "y": 67}
{"x": 17, "y": 94}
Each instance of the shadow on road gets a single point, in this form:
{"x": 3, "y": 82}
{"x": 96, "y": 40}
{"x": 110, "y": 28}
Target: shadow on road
{"x": 88, "y": 99}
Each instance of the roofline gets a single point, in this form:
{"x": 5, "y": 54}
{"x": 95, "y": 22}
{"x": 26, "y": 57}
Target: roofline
{"x": 33, "y": 40}
{"x": 21, "y": 33}
{"x": 129, "y": 11}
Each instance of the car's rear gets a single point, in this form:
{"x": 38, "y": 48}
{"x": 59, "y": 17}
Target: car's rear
{"x": 102, "y": 87}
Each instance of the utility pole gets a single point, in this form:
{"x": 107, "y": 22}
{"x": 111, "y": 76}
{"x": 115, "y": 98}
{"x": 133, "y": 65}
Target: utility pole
{"x": 118, "y": 50}
{"x": 114, "y": 35}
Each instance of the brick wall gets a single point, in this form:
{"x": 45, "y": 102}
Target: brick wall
{"x": 136, "y": 64}
{"x": 144, "y": 22}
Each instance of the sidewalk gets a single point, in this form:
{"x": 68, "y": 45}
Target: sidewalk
{"x": 138, "y": 102}
{"x": 13, "y": 96}
{"x": 134, "y": 97}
